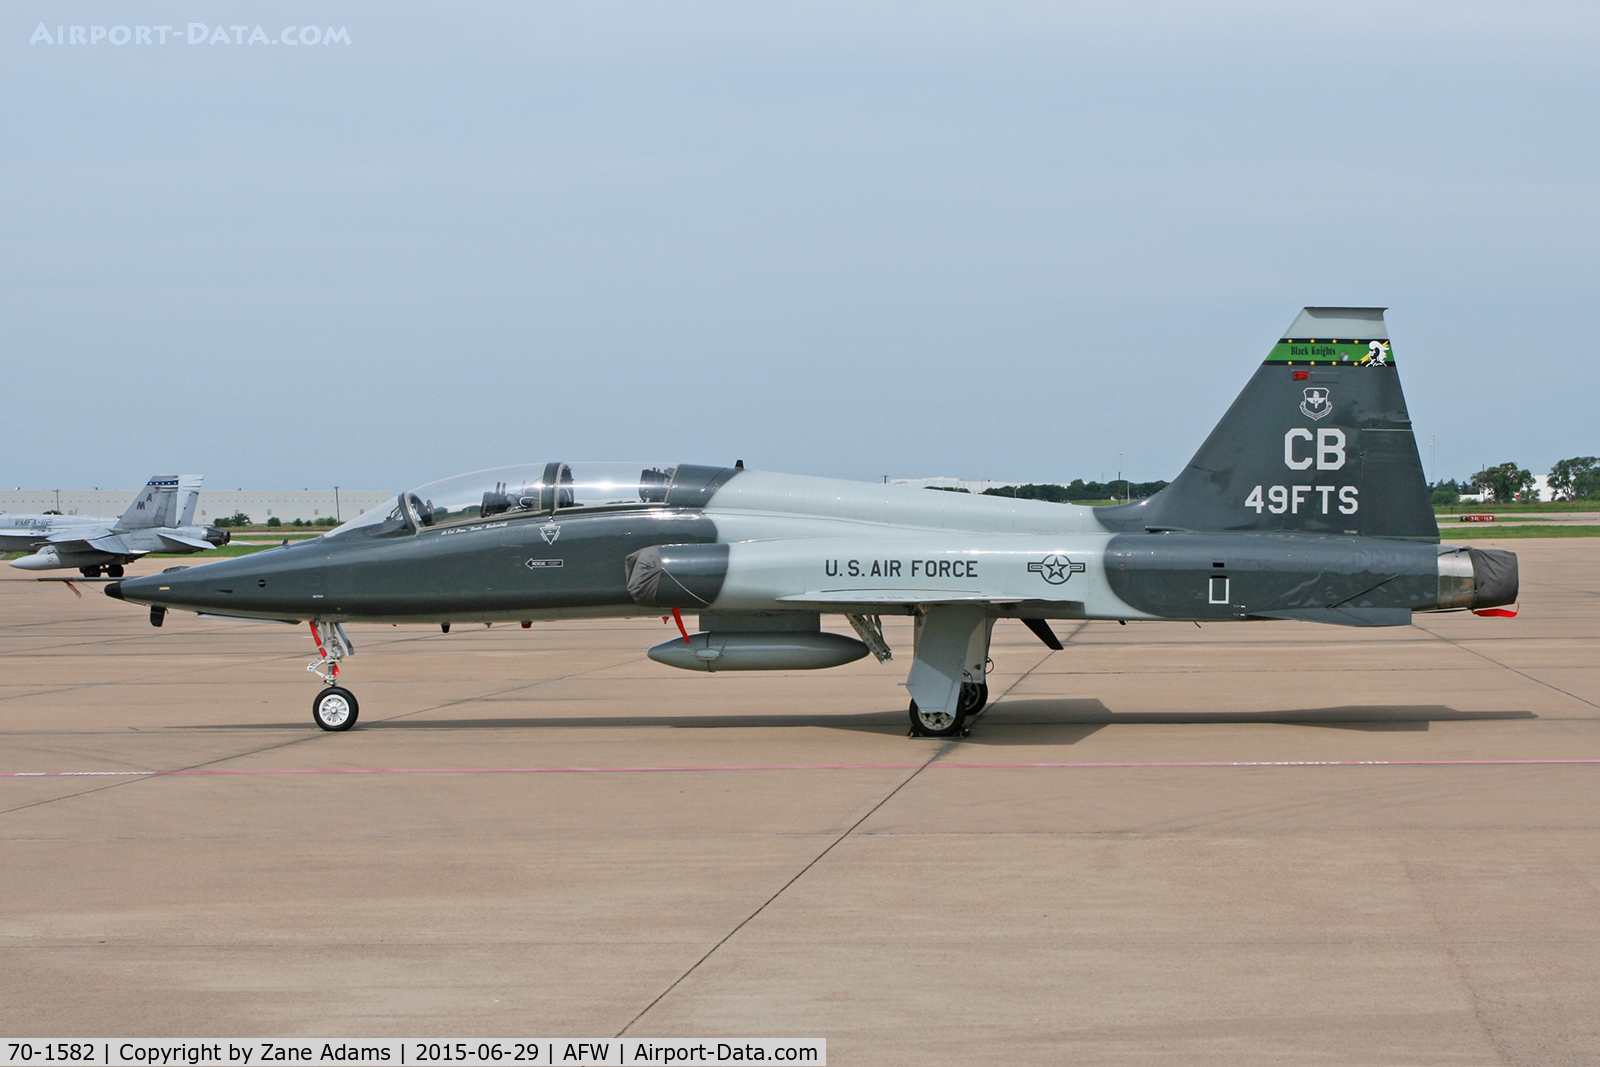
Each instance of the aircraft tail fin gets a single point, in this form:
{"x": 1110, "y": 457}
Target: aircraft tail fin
{"x": 1319, "y": 441}
{"x": 156, "y": 505}
{"x": 188, "y": 498}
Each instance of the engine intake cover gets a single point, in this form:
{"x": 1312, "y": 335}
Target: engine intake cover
{"x": 676, "y": 576}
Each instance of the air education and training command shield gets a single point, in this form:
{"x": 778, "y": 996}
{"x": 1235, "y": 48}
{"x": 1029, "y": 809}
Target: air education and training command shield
{"x": 1056, "y": 569}
{"x": 1316, "y": 403}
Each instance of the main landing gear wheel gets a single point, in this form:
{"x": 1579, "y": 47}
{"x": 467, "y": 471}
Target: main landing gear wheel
{"x": 89, "y": 572}
{"x": 937, "y": 723}
{"x": 974, "y": 697}
{"x": 335, "y": 708}
{"x": 115, "y": 570}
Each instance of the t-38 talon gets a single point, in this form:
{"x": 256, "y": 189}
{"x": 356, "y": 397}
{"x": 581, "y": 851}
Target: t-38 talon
{"x": 1306, "y": 502}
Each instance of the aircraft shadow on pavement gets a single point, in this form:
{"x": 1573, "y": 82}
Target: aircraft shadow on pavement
{"x": 1034, "y": 722}
{"x": 877, "y": 722}
{"x": 1012, "y": 722}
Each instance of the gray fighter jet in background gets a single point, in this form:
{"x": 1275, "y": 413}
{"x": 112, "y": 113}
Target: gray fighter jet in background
{"x": 1306, "y": 502}
{"x": 160, "y": 519}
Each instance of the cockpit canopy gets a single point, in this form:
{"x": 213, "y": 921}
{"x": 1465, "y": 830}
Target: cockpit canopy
{"x": 528, "y": 489}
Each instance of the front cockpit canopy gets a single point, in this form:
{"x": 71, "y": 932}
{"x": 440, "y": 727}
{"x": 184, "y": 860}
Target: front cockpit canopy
{"x": 499, "y": 492}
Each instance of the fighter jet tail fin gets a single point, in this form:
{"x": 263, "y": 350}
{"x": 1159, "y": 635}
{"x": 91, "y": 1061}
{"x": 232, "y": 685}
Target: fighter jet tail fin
{"x": 156, "y": 505}
{"x": 188, "y": 497}
{"x": 1319, "y": 441}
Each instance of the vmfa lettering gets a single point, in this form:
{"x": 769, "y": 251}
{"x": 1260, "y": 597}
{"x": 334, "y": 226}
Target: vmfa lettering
{"x": 1303, "y": 449}
{"x": 194, "y": 33}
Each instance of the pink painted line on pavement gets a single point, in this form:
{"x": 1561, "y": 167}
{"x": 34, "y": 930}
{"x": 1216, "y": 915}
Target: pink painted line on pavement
{"x": 1110, "y": 765}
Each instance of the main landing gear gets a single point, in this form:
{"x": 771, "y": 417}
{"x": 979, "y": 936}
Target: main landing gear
{"x": 949, "y": 671}
{"x": 334, "y": 708}
{"x": 974, "y": 698}
{"x": 114, "y": 570}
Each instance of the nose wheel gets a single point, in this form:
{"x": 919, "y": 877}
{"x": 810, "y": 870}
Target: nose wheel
{"x": 335, "y": 708}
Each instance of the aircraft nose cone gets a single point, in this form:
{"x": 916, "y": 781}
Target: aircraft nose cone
{"x": 43, "y": 560}
{"x": 140, "y": 590}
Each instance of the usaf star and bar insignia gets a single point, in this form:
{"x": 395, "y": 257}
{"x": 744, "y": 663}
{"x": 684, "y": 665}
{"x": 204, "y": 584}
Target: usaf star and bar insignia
{"x": 1056, "y": 569}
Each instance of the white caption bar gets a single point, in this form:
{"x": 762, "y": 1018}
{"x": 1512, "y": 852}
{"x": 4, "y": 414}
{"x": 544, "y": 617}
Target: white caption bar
{"x": 533, "y": 1052}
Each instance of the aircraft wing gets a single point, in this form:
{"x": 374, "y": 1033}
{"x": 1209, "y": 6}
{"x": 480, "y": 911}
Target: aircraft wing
{"x": 80, "y": 535}
{"x": 109, "y": 543}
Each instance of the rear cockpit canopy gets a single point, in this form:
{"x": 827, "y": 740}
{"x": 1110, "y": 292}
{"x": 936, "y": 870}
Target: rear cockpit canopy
{"x": 507, "y": 492}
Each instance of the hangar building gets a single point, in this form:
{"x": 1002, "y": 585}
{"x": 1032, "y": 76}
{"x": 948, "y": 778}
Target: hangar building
{"x": 286, "y": 505}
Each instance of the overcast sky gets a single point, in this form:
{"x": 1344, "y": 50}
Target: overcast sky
{"x": 988, "y": 240}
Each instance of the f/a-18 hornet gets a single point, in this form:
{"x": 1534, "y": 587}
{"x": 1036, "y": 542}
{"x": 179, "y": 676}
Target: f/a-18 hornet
{"x": 1306, "y": 502}
{"x": 160, "y": 519}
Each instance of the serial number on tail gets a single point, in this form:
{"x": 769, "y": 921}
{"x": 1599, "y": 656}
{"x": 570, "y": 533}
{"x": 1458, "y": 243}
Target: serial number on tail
{"x": 1310, "y": 499}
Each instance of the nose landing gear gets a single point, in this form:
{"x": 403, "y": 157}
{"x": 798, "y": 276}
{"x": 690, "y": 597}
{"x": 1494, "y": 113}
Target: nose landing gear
{"x": 334, "y": 708}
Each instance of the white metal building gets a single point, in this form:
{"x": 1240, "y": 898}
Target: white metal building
{"x": 260, "y": 504}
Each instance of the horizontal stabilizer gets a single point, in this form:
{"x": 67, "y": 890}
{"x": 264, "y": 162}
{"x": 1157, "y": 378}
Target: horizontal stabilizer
{"x": 1342, "y": 616}
{"x": 181, "y": 541}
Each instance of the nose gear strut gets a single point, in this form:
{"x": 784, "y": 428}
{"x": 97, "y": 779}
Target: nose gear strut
{"x": 333, "y": 708}
{"x": 333, "y": 645}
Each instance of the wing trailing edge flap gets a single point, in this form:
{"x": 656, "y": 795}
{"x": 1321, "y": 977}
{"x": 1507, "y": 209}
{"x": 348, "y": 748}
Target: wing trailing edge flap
{"x": 1342, "y": 616}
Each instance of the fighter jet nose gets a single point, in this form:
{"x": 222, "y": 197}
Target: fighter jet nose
{"x": 114, "y": 589}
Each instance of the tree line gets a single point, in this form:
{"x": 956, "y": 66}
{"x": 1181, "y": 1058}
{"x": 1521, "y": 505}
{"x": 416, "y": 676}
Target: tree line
{"x": 1572, "y": 479}
{"x": 239, "y": 518}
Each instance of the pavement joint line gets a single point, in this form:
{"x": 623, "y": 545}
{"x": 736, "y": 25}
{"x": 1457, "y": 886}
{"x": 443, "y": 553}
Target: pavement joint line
{"x": 1459, "y": 968}
{"x": 203, "y": 769}
{"x": 147, "y": 777}
{"x": 1504, "y": 666}
{"x": 941, "y": 750}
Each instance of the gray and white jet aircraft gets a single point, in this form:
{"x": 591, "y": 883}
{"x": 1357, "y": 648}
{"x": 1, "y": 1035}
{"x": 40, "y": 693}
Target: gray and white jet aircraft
{"x": 160, "y": 519}
{"x": 1306, "y": 502}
